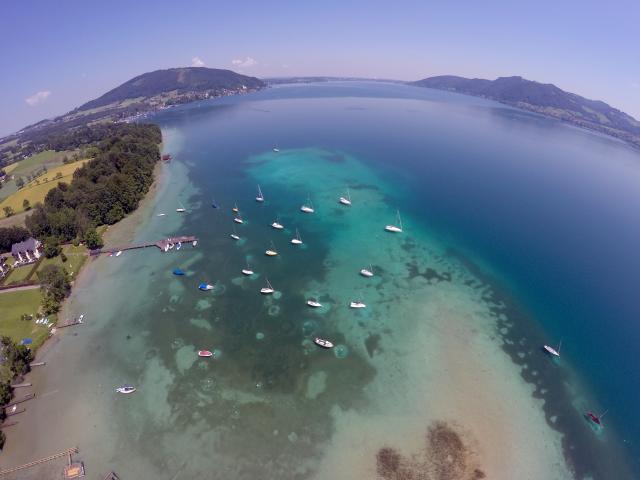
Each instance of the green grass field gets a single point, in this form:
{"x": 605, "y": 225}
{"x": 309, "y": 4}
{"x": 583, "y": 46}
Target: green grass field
{"x": 76, "y": 256}
{"x": 13, "y": 305}
{"x": 49, "y": 158}
{"x": 36, "y": 190}
{"x": 18, "y": 275}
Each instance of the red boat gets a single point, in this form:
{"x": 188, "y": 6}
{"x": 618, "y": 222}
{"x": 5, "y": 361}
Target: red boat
{"x": 205, "y": 353}
{"x": 594, "y": 418}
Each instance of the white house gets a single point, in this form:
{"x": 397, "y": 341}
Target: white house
{"x": 27, "y": 251}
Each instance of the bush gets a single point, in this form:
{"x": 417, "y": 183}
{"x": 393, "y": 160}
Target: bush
{"x": 3, "y": 439}
{"x": 93, "y": 239}
{"x": 52, "y": 247}
{"x": 5, "y": 393}
{"x": 26, "y": 204}
{"x": 63, "y": 257}
{"x": 8, "y": 211}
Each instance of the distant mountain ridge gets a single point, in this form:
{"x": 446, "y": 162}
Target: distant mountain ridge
{"x": 179, "y": 80}
{"x": 546, "y": 99}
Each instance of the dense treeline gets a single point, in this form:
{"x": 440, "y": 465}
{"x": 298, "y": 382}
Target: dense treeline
{"x": 105, "y": 189}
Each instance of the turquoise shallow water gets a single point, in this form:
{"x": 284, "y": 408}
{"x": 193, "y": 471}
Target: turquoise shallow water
{"x": 515, "y": 222}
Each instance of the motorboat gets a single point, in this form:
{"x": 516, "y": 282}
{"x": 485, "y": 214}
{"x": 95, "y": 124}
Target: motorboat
{"x": 395, "y": 228}
{"x": 214, "y": 204}
{"x": 367, "y": 272}
{"x": 346, "y": 200}
{"x": 307, "y": 207}
{"x": 597, "y": 419}
{"x": 194, "y": 243}
{"x": 118, "y": 253}
{"x": 178, "y": 272}
{"x": 312, "y": 302}
{"x": 205, "y": 287}
{"x": 178, "y": 246}
{"x": 271, "y": 252}
{"x": 126, "y": 389}
{"x": 321, "y": 342}
{"x": 181, "y": 209}
{"x": 297, "y": 240}
{"x": 235, "y": 208}
{"x": 276, "y": 149}
{"x": 268, "y": 289}
{"x": 161, "y": 215}
{"x": 260, "y": 197}
{"x": 357, "y": 304}
{"x": 205, "y": 353}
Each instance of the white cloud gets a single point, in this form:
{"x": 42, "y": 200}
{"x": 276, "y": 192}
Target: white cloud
{"x": 246, "y": 63}
{"x": 197, "y": 62}
{"x": 37, "y": 98}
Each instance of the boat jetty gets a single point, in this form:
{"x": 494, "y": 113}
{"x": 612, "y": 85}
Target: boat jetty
{"x": 164, "y": 245}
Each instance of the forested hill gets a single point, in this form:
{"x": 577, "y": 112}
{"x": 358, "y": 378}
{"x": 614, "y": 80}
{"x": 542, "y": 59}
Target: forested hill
{"x": 179, "y": 80}
{"x": 546, "y": 99}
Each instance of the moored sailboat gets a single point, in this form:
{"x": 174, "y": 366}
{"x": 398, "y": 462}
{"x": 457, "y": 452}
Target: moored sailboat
{"x": 321, "y": 342}
{"x": 307, "y": 207}
{"x": 312, "y": 302}
{"x": 271, "y": 252}
{"x": 297, "y": 240}
{"x": 395, "y": 228}
{"x": 247, "y": 271}
{"x": 552, "y": 351}
{"x": 276, "y": 224}
{"x": 268, "y": 289}
{"x": 367, "y": 272}
{"x": 346, "y": 200}
{"x": 260, "y": 197}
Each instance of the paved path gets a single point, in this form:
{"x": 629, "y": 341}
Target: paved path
{"x": 17, "y": 289}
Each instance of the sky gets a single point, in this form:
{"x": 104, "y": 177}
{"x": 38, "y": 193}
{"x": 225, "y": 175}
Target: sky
{"x": 56, "y": 55}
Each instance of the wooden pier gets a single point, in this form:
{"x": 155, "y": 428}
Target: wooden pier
{"x": 67, "y": 452}
{"x": 163, "y": 245}
{"x": 20, "y": 400}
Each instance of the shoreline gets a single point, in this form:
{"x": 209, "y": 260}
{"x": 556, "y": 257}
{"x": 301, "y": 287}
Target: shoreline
{"x": 38, "y": 376}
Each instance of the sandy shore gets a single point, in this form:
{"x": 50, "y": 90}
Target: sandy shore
{"x": 30, "y": 439}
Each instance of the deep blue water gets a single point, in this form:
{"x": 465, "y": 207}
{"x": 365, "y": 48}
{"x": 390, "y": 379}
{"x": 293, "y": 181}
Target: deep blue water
{"x": 546, "y": 210}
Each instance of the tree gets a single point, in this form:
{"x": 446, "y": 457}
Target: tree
{"x": 58, "y": 175}
{"x": 93, "y": 239}
{"x": 5, "y": 393}
{"x": 54, "y": 282}
{"x": 26, "y": 204}
{"x": 19, "y": 182}
{"x": 52, "y": 247}
{"x": 8, "y": 211}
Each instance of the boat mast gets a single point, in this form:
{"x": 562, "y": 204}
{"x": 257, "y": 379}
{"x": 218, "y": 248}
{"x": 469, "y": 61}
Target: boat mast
{"x": 399, "y": 219}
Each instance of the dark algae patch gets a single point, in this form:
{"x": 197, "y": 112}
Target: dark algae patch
{"x": 445, "y": 456}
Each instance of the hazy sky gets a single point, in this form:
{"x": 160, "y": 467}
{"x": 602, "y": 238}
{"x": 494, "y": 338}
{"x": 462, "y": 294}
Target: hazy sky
{"x": 56, "y": 55}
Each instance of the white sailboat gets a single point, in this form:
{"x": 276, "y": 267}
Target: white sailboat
{"x": 312, "y": 302}
{"x": 552, "y": 351}
{"x": 346, "y": 200}
{"x": 268, "y": 289}
{"x": 247, "y": 271}
{"x": 297, "y": 240}
{"x": 235, "y": 208}
{"x": 260, "y": 197}
{"x": 271, "y": 252}
{"x": 235, "y": 235}
{"x": 307, "y": 207}
{"x": 181, "y": 209}
{"x": 395, "y": 228}
{"x": 357, "y": 304}
{"x": 276, "y": 149}
{"x": 367, "y": 272}
{"x": 276, "y": 224}
{"x": 238, "y": 219}
{"x": 321, "y": 342}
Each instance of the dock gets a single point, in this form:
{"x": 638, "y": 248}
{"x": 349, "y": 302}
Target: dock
{"x": 20, "y": 400}
{"x": 164, "y": 245}
{"x": 67, "y": 452}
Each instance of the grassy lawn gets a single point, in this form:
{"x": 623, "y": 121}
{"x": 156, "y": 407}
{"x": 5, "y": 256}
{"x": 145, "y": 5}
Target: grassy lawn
{"x": 18, "y": 275}
{"x": 12, "y": 306}
{"x": 76, "y": 256}
{"x": 38, "y": 189}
